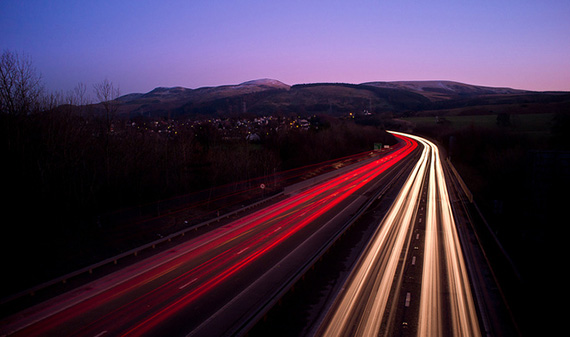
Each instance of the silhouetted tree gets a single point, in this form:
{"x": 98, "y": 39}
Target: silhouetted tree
{"x": 106, "y": 93}
{"x": 78, "y": 96}
{"x": 20, "y": 84}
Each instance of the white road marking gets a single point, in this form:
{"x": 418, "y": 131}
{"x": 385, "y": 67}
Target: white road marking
{"x": 187, "y": 284}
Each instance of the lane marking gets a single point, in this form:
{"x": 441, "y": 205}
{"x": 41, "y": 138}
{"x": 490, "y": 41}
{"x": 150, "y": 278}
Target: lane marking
{"x": 243, "y": 250}
{"x": 187, "y": 284}
{"x": 408, "y": 298}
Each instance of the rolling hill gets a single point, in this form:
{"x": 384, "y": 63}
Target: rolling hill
{"x": 269, "y": 96}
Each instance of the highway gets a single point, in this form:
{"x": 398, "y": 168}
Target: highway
{"x": 214, "y": 283}
{"x": 411, "y": 280}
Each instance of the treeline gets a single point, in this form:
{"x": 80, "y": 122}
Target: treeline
{"x": 73, "y": 165}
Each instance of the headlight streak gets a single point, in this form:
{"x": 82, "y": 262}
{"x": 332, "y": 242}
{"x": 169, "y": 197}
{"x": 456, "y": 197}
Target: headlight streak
{"x": 372, "y": 278}
{"x": 360, "y": 309}
{"x": 464, "y": 320}
{"x": 430, "y": 316}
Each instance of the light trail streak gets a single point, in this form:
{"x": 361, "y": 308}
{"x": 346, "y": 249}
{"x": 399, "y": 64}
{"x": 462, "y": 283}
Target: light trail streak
{"x": 430, "y": 316}
{"x": 360, "y": 309}
{"x": 464, "y": 320}
{"x": 142, "y": 303}
{"x": 315, "y": 210}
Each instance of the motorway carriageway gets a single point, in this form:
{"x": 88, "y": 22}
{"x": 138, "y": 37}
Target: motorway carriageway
{"x": 446, "y": 307}
{"x": 211, "y": 284}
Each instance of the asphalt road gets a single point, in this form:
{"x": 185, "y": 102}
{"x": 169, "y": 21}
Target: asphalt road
{"x": 412, "y": 278}
{"x": 217, "y": 283}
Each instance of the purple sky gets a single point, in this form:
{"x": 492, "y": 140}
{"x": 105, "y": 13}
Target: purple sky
{"x": 140, "y": 45}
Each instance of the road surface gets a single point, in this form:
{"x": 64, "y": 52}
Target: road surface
{"x": 432, "y": 282}
{"x": 212, "y": 284}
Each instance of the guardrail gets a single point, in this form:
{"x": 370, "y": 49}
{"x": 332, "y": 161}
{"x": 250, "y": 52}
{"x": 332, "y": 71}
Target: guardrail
{"x": 152, "y": 245}
{"x": 88, "y": 270}
{"x": 291, "y": 189}
{"x": 460, "y": 180}
{"x": 133, "y": 252}
{"x": 308, "y": 265}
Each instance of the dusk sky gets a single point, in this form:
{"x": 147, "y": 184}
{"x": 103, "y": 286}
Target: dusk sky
{"x": 140, "y": 45}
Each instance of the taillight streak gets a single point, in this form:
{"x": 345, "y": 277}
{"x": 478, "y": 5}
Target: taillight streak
{"x": 281, "y": 221}
{"x": 368, "y": 172}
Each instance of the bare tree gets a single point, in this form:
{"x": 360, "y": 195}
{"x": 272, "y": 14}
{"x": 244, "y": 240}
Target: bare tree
{"x": 51, "y": 101}
{"x": 80, "y": 94}
{"x": 20, "y": 85}
{"x": 77, "y": 98}
{"x": 107, "y": 94}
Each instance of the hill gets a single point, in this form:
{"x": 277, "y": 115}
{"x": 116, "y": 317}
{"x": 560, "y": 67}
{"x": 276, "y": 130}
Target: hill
{"x": 445, "y": 90}
{"x": 269, "y": 96}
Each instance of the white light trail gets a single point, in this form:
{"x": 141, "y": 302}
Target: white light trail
{"x": 360, "y": 309}
{"x": 367, "y": 293}
{"x": 464, "y": 321}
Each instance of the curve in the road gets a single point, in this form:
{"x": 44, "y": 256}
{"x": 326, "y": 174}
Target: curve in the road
{"x": 446, "y": 302}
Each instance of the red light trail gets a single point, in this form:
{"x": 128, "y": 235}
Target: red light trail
{"x": 144, "y": 299}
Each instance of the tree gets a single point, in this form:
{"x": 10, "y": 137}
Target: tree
{"x": 77, "y": 96}
{"x": 20, "y": 85}
{"x": 107, "y": 94}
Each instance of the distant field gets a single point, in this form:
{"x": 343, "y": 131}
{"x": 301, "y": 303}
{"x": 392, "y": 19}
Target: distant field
{"x": 524, "y": 123}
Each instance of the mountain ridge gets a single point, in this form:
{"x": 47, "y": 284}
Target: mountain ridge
{"x": 431, "y": 88}
{"x": 266, "y": 95}
{"x": 418, "y": 85}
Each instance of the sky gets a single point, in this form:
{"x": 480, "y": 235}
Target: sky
{"x": 141, "y": 45}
